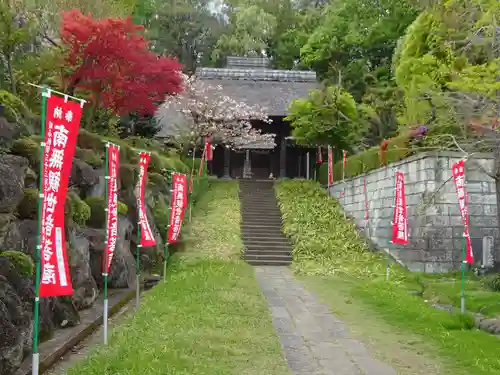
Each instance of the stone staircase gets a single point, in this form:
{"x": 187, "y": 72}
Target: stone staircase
{"x": 261, "y": 225}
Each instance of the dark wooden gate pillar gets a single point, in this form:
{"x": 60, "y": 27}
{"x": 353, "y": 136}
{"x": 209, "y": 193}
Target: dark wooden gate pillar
{"x": 283, "y": 158}
{"x": 227, "y": 160}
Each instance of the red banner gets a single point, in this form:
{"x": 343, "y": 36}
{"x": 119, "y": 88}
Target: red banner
{"x": 112, "y": 214}
{"x": 177, "y": 206}
{"x": 61, "y": 131}
{"x": 458, "y": 171}
{"x": 319, "y": 156}
{"x": 345, "y": 159}
{"x": 330, "y": 166}
{"x": 147, "y": 238}
{"x": 400, "y": 219}
{"x": 208, "y": 148}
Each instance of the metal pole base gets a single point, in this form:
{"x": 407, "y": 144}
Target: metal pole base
{"x": 137, "y": 292}
{"x": 105, "y": 321}
{"x": 387, "y": 272}
{"x": 462, "y": 304}
{"x": 165, "y": 271}
{"x": 35, "y": 364}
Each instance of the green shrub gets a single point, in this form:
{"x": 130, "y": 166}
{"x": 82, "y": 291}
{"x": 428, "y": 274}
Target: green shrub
{"x": 367, "y": 160}
{"x": 22, "y": 262}
{"x": 157, "y": 179}
{"x": 200, "y": 186}
{"x": 29, "y": 148}
{"x": 309, "y": 217}
{"x": 175, "y": 163}
{"x": 79, "y": 210}
{"x": 127, "y": 152}
{"x": 192, "y": 164}
{"x": 492, "y": 282}
{"x": 27, "y": 208}
{"x": 138, "y": 142}
{"x": 156, "y": 163}
{"x": 14, "y": 107}
{"x": 146, "y": 144}
{"x": 128, "y": 175}
{"x": 122, "y": 208}
{"x": 90, "y": 141}
{"x": 93, "y": 158}
{"x": 161, "y": 214}
{"x": 97, "y": 214}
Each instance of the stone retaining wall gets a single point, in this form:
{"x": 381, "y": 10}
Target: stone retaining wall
{"x": 435, "y": 228}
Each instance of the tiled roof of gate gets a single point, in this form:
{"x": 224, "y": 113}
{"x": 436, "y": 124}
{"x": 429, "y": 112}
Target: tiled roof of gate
{"x": 248, "y": 80}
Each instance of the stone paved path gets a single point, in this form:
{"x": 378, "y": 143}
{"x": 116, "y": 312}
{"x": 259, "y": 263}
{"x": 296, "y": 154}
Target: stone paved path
{"x": 314, "y": 341}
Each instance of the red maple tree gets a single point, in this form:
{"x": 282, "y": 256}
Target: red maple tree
{"x": 110, "y": 58}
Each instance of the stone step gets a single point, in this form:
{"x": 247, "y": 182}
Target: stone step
{"x": 264, "y": 220}
{"x": 270, "y": 213}
{"x": 271, "y": 241}
{"x": 269, "y": 252}
{"x": 268, "y": 262}
{"x": 283, "y": 258}
{"x": 259, "y": 203}
{"x": 261, "y": 234}
{"x": 261, "y": 217}
{"x": 260, "y": 209}
{"x": 263, "y": 248}
{"x": 261, "y": 229}
{"x": 265, "y": 237}
{"x": 261, "y": 225}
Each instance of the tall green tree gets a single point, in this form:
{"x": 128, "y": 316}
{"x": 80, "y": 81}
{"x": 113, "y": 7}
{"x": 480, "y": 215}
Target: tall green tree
{"x": 16, "y": 30}
{"x": 328, "y": 116}
{"x": 186, "y": 29}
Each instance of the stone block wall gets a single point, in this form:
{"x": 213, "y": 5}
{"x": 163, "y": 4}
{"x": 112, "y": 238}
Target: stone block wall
{"x": 434, "y": 223}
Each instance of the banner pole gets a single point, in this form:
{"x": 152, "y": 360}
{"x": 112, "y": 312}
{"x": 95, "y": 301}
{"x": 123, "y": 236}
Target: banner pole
{"x": 343, "y": 178}
{"x": 137, "y": 267}
{"x": 105, "y": 253}
{"x": 191, "y": 183}
{"x": 36, "y": 306}
{"x": 462, "y": 297}
{"x": 138, "y": 249}
{"x": 330, "y": 151}
{"x": 387, "y": 264}
{"x": 464, "y": 255}
{"x": 165, "y": 248}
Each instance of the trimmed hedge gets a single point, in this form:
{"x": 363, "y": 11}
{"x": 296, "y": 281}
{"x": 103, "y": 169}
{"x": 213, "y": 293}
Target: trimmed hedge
{"x": 324, "y": 242}
{"x": 367, "y": 160}
{"x": 92, "y": 157}
{"x": 97, "y": 214}
{"x": 29, "y": 148}
{"x": 78, "y": 209}
{"x": 22, "y": 262}
{"x": 27, "y": 208}
{"x": 14, "y": 107}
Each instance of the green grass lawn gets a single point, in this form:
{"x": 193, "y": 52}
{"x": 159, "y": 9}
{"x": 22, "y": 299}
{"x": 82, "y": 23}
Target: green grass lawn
{"x": 337, "y": 264}
{"x": 208, "y": 318}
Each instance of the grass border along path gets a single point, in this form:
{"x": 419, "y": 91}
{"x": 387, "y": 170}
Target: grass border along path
{"x": 326, "y": 244}
{"x": 209, "y": 318}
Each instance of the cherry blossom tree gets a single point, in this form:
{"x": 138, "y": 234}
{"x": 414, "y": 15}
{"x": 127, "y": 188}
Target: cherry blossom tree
{"x": 202, "y": 110}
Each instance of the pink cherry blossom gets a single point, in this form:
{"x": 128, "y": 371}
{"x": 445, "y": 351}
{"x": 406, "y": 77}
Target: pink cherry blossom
{"x": 204, "y": 110}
